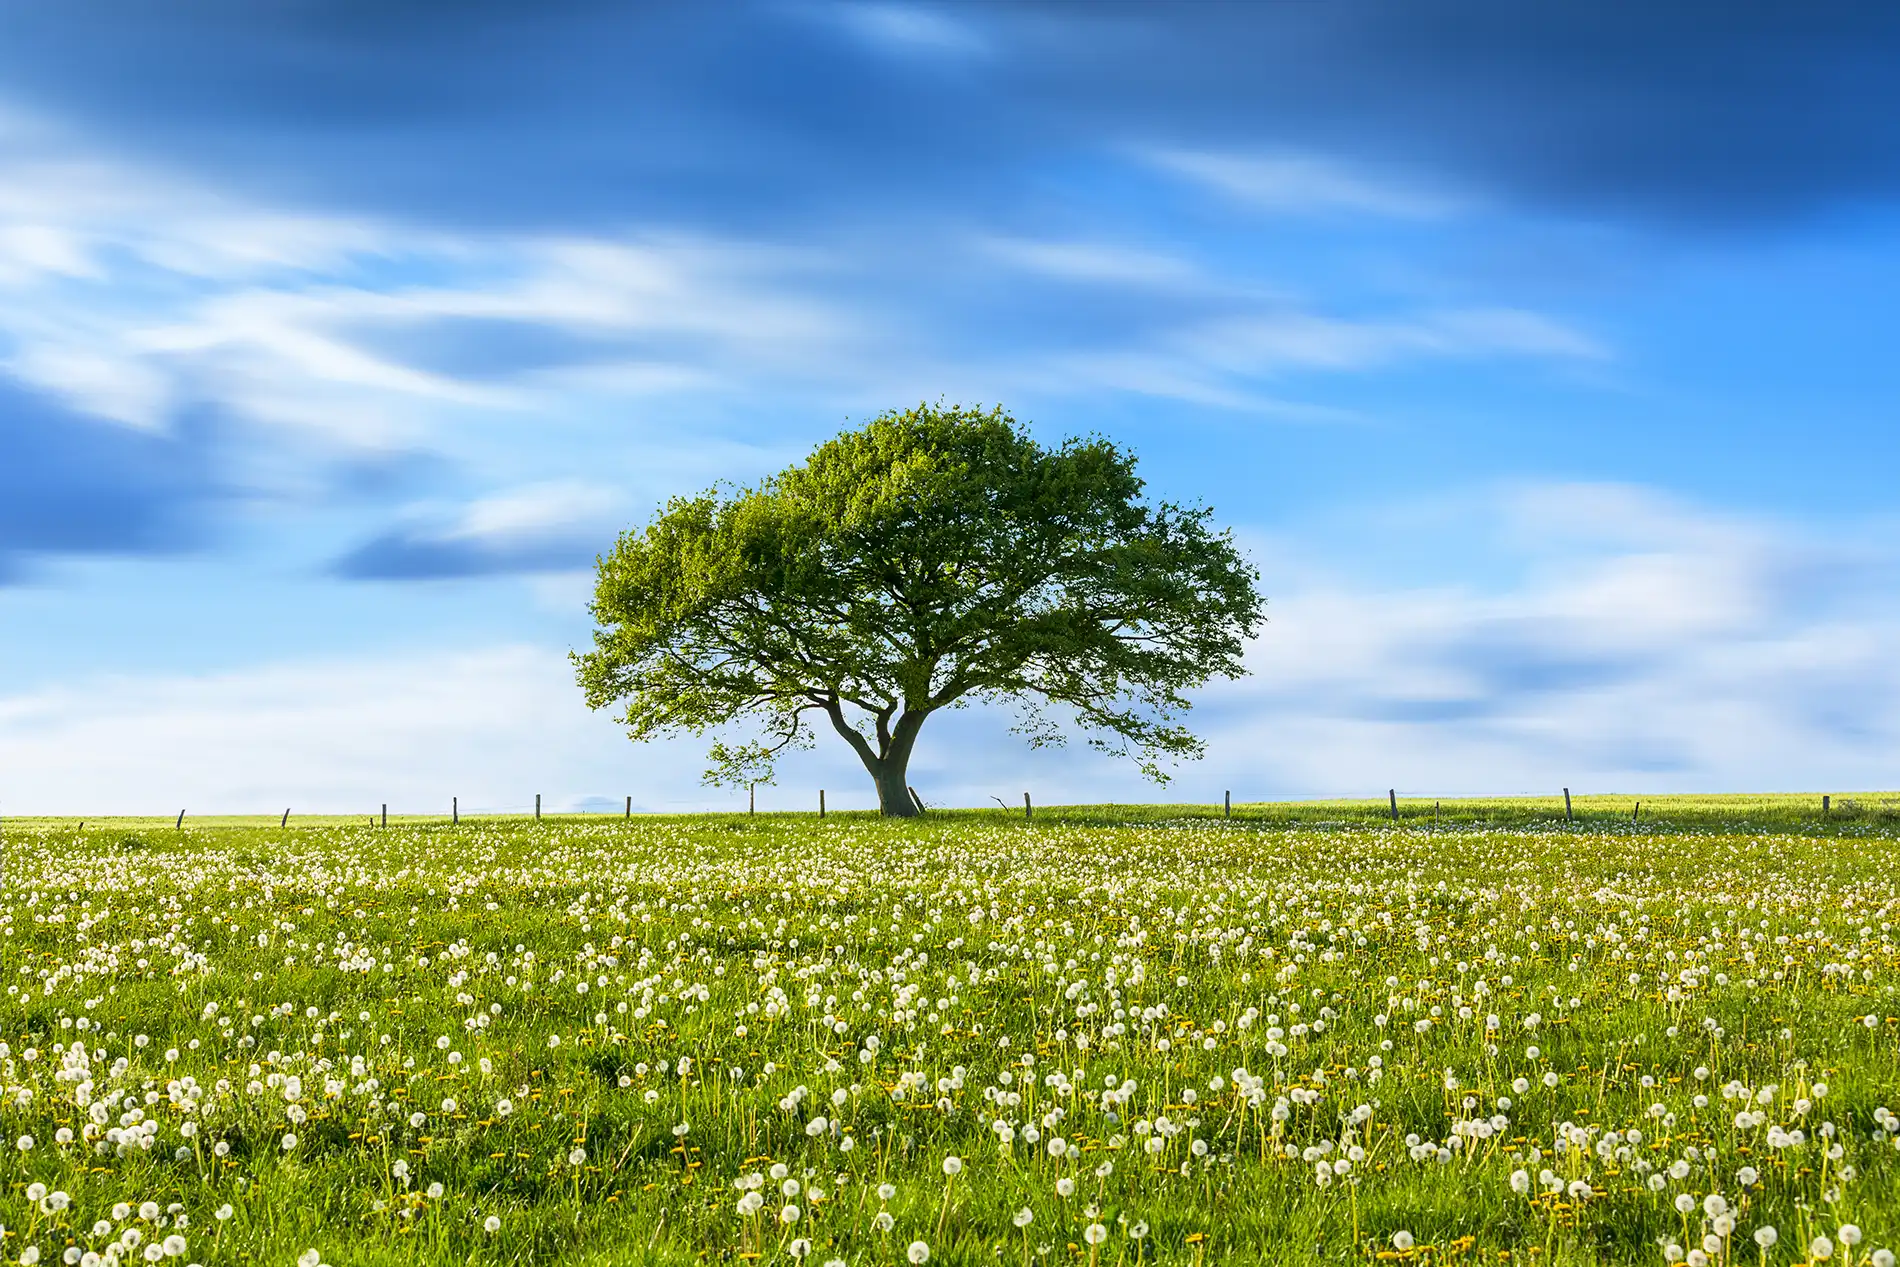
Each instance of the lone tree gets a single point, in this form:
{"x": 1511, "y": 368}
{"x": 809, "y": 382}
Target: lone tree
{"x": 933, "y": 557}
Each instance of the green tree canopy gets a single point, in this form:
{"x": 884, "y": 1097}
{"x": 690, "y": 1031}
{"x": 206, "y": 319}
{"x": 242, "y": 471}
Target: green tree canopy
{"x": 932, "y": 557}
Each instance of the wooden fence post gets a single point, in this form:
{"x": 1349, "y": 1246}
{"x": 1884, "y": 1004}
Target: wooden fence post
{"x": 1568, "y": 816}
{"x": 180, "y": 824}
{"x": 455, "y": 810}
{"x": 1392, "y": 798}
{"x": 629, "y": 807}
{"x": 286, "y": 819}
{"x": 1227, "y": 804}
{"x": 1636, "y": 811}
{"x": 1824, "y": 806}
{"x": 1028, "y": 814}
{"x": 821, "y": 802}
{"x": 385, "y": 813}
{"x": 537, "y": 807}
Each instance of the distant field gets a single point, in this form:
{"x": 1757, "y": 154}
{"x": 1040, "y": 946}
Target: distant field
{"x": 1139, "y": 1034}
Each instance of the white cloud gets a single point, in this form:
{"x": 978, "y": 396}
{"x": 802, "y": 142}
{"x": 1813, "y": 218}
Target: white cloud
{"x": 1302, "y": 340}
{"x": 123, "y": 389}
{"x": 547, "y": 528}
{"x": 665, "y": 313}
{"x": 536, "y": 508}
{"x": 909, "y": 28}
{"x": 28, "y": 249}
{"x": 99, "y": 254}
{"x": 130, "y": 291}
{"x": 1649, "y": 647}
{"x": 1220, "y": 362}
{"x": 64, "y": 205}
{"x": 1296, "y": 183}
{"x": 1095, "y": 262}
{"x": 1173, "y": 373}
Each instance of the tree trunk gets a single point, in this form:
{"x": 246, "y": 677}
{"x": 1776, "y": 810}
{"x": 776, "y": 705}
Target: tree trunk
{"x": 889, "y": 769}
{"x": 889, "y": 762}
{"x": 893, "y": 793}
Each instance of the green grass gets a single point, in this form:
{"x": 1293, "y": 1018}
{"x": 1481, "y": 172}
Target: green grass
{"x": 1265, "y": 981}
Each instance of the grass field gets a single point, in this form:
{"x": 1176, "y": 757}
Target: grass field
{"x": 1111, "y": 1035}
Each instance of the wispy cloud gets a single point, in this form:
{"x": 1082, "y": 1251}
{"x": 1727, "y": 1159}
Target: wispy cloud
{"x": 132, "y": 293}
{"x": 1103, "y": 262}
{"x": 1229, "y": 362}
{"x": 909, "y": 28}
{"x": 1301, "y": 184}
{"x": 551, "y": 527}
{"x": 1302, "y": 340}
{"x": 1649, "y": 646}
{"x": 342, "y": 352}
{"x": 70, "y": 208}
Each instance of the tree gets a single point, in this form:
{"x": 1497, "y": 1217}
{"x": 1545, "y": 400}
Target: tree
{"x": 933, "y": 557}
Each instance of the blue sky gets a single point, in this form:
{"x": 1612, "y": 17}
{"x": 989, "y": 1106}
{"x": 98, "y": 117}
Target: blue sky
{"x": 1539, "y": 354}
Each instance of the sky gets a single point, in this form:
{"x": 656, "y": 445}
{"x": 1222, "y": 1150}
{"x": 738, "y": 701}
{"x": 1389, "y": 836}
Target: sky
{"x": 1540, "y": 356}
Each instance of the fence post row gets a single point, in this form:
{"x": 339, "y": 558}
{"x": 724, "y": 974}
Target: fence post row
{"x": 752, "y": 805}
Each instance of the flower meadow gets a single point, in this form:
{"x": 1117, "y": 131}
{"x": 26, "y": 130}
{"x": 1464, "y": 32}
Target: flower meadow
{"x": 963, "y": 1040}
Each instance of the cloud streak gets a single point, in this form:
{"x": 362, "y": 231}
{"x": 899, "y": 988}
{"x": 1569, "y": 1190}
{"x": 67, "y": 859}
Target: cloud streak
{"x": 555, "y": 527}
{"x": 1297, "y": 184}
{"x": 906, "y": 29}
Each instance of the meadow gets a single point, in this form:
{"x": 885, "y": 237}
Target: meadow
{"x": 1110, "y": 1035}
